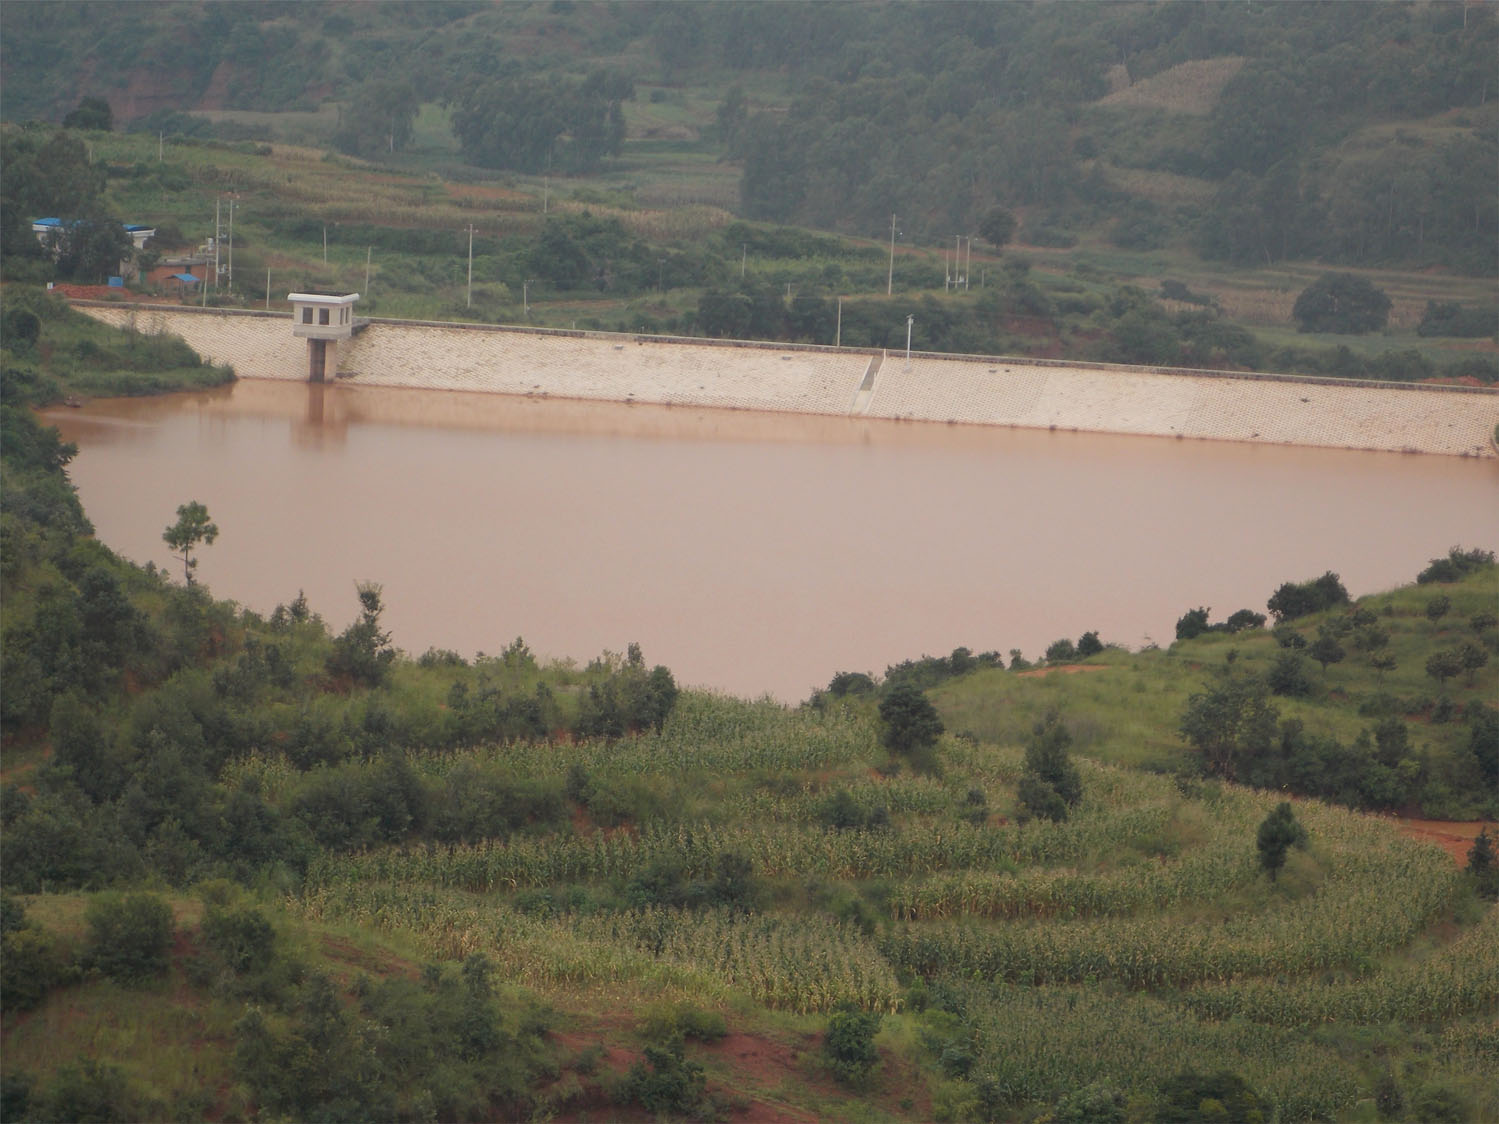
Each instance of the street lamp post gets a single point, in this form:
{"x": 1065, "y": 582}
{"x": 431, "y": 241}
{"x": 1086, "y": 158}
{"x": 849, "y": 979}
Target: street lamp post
{"x": 909, "y": 321}
{"x": 890, "y": 277}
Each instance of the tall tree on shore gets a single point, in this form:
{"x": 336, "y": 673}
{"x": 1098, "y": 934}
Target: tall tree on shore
{"x": 184, "y": 536}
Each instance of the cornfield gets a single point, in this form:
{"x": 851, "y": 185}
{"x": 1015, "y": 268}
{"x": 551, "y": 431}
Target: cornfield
{"x": 1133, "y": 939}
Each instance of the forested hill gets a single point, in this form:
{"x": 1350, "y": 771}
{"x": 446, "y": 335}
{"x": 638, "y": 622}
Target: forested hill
{"x": 1360, "y": 134}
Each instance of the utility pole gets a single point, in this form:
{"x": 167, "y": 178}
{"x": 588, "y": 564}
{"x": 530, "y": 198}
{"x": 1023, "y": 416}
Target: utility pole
{"x": 231, "y": 243}
{"x": 217, "y": 234}
{"x": 838, "y": 336}
{"x": 267, "y": 290}
{"x": 368, "y": 250}
{"x": 525, "y": 298}
{"x": 743, "y": 257}
{"x": 161, "y": 140}
{"x": 890, "y": 277}
{"x": 325, "y": 243}
{"x": 470, "y": 266}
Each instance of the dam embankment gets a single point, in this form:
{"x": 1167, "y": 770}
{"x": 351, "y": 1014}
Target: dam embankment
{"x": 975, "y": 390}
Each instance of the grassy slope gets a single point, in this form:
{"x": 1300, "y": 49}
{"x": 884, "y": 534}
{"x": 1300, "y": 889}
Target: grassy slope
{"x": 1126, "y": 707}
{"x": 76, "y": 355}
{"x": 174, "y": 1037}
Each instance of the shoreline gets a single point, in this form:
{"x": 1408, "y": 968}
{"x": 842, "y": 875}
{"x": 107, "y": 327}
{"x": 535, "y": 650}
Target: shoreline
{"x": 1253, "y": 407}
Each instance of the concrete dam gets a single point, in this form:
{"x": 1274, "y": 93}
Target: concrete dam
{"x": 743, "y": 375}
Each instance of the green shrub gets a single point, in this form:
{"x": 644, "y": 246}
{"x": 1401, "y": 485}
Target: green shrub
{"x": 665, "y": 1082}
{"x": 1289, "y": 676}
{"x": 1190, "y": 1098}
{"x": 1435, "y": 1103}
{"x": 849, "y": 1046}
{"x": 31, "y": 964}
{"x": 665, "y": 1023}
{"x": 1457, "y": 563}
{"x": 91, "y": 1090}
{"x": 130, "y": 936}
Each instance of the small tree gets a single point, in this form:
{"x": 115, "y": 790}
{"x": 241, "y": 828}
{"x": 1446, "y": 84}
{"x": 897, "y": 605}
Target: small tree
{"x": 1088, "y": 644}
{"x": 1326, "y": 650}
{"x": 130, "y": 938}
{"x": 1438, "y": 607}
{"x": 1277, "y": 834}
{"x": 1472, "y": 657}
{"x": 1230, "y": 723}
{"x": 1443, "y": 665}
{"x": 1342, "y": 303}
{"x": 1297, "y": 599}
{"x": 1244, "y": 619}
{"x": 1382, "y": 663}
{"x": 911, "y": 723}
{"x": 192, "y": 527}
{"x": 1482, "y": 865}
{"x": 997, "y": 226}
{"x": 363, "y": 651}
{"x": 1193, "y": 623}
{"x": 1288, "y": 675}
{"x": 92, "y": 113}
{"x": 1049, "y": 771}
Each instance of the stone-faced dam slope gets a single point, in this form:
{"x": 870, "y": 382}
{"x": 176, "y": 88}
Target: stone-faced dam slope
{"x": 975, "y": 390}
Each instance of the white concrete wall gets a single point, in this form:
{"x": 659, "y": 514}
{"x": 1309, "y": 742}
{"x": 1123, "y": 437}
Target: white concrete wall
{"x": 825, "y": 381}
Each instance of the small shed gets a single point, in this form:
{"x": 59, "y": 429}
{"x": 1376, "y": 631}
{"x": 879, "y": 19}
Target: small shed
{"x": 323, "y": 316}
{"x": 183, "y": 281}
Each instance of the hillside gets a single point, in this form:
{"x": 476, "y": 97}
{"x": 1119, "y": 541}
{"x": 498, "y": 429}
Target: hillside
{"x": 256, "y": 870}
{"x": 1361, "y": 135}
{"x": 594, "y": 260}
{"x": 1297, "y": 187}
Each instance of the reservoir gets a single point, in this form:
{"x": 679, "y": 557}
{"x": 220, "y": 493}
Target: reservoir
{"x": 749, "y": 552}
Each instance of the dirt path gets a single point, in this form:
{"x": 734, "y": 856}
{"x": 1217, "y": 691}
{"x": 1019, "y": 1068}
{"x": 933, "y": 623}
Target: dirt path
{"x": 1062, "y": 669}
{"x": 1453, "y": 836}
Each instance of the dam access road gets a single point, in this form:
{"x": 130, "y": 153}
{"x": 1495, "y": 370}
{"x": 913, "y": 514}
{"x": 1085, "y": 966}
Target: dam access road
{"x": 955, "y": 389}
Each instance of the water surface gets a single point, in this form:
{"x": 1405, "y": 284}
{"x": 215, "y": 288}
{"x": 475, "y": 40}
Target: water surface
{"x": 750, "y": 552}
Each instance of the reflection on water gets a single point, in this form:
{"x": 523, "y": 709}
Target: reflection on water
{"x": 750, "y": 552}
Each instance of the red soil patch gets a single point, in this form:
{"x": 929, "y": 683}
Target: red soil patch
{"x": 346, "y": 952}
{"x": 762, "y": 1064}
{"x": 88, "y": 292}
{"x": 759, "y": 1067}
{"x": 1453, "y": 836}
{"x": 462, "y": 191}
{"x": 1064, "y": 669}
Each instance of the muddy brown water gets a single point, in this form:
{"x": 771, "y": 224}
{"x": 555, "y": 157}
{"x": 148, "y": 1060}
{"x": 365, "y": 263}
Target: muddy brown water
{"x": 749, "y": 552}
